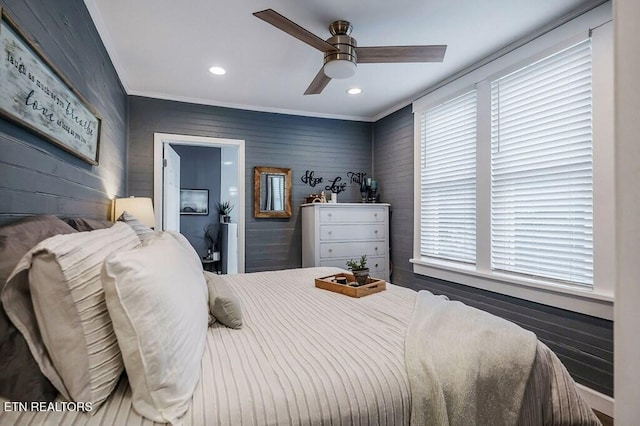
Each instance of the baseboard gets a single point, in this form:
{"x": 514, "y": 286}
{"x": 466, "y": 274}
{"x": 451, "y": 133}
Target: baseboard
{"x": 597, "y": 400}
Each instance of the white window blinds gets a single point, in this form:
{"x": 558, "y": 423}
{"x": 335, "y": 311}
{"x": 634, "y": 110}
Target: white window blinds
{"x": 448, "y": 180}
{"x": 541, "y": 169}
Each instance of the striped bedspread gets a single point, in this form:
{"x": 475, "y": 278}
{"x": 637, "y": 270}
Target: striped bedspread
{"x": 304, "y": 356}
{"x": 307, "y": 356}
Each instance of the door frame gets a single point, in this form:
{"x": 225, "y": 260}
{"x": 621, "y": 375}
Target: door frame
{"x": 168, "y": 154}
{"x": 161, "y": 138}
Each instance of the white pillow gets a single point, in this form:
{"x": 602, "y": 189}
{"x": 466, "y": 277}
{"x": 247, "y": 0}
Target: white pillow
{"x": 67, "y": 313}
{"x": 186, "y": 245}
{"x": 157, "y": 300}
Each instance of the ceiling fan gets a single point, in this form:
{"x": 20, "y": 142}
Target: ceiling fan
{"x": 341, "y": 52}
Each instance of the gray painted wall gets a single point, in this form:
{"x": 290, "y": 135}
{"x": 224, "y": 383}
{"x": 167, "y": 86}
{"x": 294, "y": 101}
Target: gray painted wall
{"x": 37, "y": 177}
{"x": 330, "y": 148}
{"x": 583, "y": 343}
{"x": 199, "y": 169}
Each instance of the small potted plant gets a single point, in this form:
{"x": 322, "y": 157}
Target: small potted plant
{"x": 224, "y": 209}
{"x": 359, "y": 269}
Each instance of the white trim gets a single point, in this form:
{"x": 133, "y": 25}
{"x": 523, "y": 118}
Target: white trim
{"x": 417, "y": 181}
{"x": 565, "y": 297}
{"x": 160, "y": 138}
{"x": 579, "y": 37}
{"x": 604, "y": 195}
{"x": 211, "y": 102}
{"x": 483, "y": 176}
{"x": 626, "y": 348}
{"x": 596, "y": 400}
{"x": 598, "y": 302}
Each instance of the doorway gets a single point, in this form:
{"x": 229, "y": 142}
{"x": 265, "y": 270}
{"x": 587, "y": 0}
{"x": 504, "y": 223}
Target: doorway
{"x": 232, "y": 180}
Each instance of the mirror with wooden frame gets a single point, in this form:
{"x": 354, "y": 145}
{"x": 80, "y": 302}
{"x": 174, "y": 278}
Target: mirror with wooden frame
{"x": 271, "y": 192}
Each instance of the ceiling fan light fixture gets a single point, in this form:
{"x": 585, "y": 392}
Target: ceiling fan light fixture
{"x": 341, "y": 52}
{"x": 217, "y": 71}
{"x": 339, "y": 68}
{"x": 354, "y": 91}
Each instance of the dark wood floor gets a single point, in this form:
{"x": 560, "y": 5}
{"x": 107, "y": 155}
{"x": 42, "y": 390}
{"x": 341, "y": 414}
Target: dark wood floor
{"x": 606, "y": 420}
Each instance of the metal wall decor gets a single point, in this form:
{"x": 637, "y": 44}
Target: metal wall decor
{"x": 335, "y": 185}
{"x": 310, "y": 179}
{"x": 356, "y": 177}
{"x": 33, "y": 93}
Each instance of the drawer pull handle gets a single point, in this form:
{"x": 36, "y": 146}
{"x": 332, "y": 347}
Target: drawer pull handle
{"x": 330, "y": 232}
{"x": 376, "y": 265}
{"x": 376, "y": 249}
{"x": 330, "y": 250}
{"x": 375, "y": 214}
{"x": 375, "y": 232}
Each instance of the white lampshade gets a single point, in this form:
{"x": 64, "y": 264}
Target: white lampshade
{"x": 139, "y": 207}
{"x": 339, "y": 68}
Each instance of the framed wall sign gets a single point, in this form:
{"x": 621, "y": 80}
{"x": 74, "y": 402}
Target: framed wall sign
{"x": 194, "y": 201}
{"x": 34, "y": 94}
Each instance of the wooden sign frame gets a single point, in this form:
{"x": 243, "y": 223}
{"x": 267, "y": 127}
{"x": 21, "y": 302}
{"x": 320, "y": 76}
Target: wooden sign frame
{"x": 34, "y": 94}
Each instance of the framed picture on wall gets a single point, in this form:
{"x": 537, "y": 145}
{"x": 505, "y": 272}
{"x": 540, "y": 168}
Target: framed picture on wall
{"x": 194, "y": 201}
{"x": 36, "y": 95}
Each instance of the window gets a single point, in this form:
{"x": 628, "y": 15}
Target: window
{"x": 541, "y": 169}
{"x": 526, "y": 140}
{"x": 540, "y": 197}
{"x": 448, "y": 180}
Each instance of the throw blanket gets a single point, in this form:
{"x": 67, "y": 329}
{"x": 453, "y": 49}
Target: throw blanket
{"x": 465, "y": 366}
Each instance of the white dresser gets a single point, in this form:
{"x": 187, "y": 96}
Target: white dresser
{"x": 334, "y": 233}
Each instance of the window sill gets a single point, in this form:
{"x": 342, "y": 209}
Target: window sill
{"x": 565, "y": 297}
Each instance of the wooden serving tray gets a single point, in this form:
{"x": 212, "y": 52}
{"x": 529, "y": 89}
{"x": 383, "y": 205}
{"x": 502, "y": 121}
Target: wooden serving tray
{"x": 373, "y": 285}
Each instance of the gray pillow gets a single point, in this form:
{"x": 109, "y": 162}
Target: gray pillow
{"x": 86, "y": 224}
{"x": 20, "y": 375}
{"x": 143, "y": 231}
{"x": 65, "y": 321}
{"x": 224, "y": 305}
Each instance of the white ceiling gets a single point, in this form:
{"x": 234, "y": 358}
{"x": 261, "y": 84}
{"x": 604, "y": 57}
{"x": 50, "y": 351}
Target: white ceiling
{"x": 164, "y": 48}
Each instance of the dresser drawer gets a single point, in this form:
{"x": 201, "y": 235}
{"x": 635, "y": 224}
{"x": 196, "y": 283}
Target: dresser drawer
{"x": 352, "y": 215}
{"x": 353, "y": 232}
{"x": 352, "y": 250}
{"x": 377, "y": 267}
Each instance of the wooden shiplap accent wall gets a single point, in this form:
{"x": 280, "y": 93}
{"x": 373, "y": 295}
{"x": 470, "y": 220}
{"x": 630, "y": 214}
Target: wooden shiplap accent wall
{"x": 328, "y": 147}
{"x": 36, "y": 177}
{"x": 583, "y": 343}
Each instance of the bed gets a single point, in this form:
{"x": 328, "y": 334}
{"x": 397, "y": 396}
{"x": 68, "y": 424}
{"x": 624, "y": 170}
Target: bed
{"x": 304, "y": 355}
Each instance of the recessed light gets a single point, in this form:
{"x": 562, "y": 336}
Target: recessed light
{"x": 354, "y": 91}
{"x": 217, "y": 70}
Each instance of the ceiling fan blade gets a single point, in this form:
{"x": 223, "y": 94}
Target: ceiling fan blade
{"x": 387, "y": 54}
{"x": 293, "y": 29}
{"x": 318, "y": 84}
